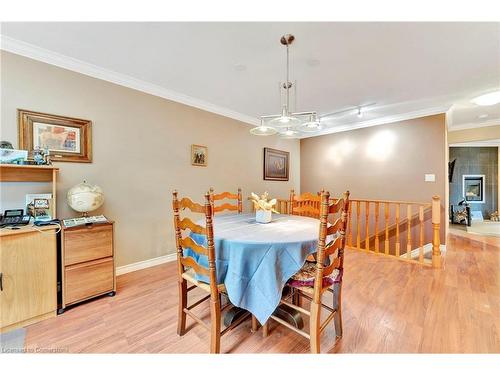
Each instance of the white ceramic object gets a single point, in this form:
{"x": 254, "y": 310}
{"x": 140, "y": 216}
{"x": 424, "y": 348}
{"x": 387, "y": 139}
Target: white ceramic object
{"x": 262, "y": 216}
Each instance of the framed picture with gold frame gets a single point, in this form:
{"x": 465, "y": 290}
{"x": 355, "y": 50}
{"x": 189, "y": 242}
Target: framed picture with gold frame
{"x": 276, "y": 164}
{"x": 67, "y": 138}
{"x": 199, "y": 155}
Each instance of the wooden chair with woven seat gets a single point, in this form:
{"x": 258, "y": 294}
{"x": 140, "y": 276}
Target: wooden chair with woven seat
{"x": 238, "y": 207}
{"x": 189, "y": 268}
{"x": 305, "y": 204}
{"x": 324, "y": 275}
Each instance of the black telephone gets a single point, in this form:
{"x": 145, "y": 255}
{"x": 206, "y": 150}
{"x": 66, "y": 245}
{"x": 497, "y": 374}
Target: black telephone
{"x": 14, "y": 218}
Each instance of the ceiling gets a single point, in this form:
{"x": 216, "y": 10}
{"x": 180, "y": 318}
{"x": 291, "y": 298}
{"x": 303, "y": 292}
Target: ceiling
{"x": 234, "y": 68}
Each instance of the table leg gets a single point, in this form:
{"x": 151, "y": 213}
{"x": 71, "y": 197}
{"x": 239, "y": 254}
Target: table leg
{"x": 255, "y": 324}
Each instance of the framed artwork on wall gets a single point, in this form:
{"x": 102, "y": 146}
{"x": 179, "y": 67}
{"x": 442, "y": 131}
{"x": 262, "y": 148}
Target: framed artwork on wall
{"x": 276, "y": 164}
{"x": 473, "y": 187}
{"x": 199, "y": 155}
{"x": 68, "y": 139}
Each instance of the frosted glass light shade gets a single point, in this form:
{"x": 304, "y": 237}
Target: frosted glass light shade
{"x": 263, "y": 130}
{"x": 284, "y": 121}
{"x": 311, "y": 127}
{"x": 289, "y": 133}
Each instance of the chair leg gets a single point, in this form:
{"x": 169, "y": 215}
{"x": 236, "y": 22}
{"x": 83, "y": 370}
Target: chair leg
{"x": 314, "y": 326}
{"x": 181, "y": 320}
{"x": 215, "y": 315}
{"x": 337, "y": 319}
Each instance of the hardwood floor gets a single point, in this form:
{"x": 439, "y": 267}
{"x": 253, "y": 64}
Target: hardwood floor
{"x": 388, "y": 307}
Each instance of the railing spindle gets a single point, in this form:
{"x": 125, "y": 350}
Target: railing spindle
{"x": 367, "y": 225}
{"x": 386, "y": 242}
{"x": 398, "y": 244}
{"x": 377, "y": 211}
{"x": 350, "y": 225}
{"x": 358, "y": 219}
{"x": 408, "y": 226}
{"x": 436, "y": 241}
{"x": 421, "y": 218}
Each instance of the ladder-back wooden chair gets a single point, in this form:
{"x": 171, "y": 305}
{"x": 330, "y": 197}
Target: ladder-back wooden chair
{"x": 324, "y": 275}
{"x": 238, "y": 207}
{"x": 305, "y": 204}
{"x": 189, "y": 267}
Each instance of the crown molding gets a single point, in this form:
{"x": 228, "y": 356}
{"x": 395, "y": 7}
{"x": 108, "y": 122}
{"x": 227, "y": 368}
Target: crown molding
{"x": 53, "y": 58}
{"x": 383, "y": 120}
{"x": 476, "y": 144}
{"x": 475, "y": 125}
{"x": 41, "y": 54}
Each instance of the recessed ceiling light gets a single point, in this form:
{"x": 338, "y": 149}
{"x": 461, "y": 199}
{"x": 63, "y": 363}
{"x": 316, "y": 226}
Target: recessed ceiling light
{"x": 240, "y": 67}
{"x": 313, "y": 62}
{"x": 487, "y": 99}
{"x": 483, "y": 116}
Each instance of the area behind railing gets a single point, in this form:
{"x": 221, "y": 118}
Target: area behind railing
{"x": 408, "y": 231}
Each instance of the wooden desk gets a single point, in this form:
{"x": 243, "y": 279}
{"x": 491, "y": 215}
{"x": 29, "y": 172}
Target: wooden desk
{"x": 29, "y": 275}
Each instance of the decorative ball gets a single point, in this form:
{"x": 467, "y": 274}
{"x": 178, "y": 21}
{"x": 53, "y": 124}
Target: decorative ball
{"x": 85, "y": 197}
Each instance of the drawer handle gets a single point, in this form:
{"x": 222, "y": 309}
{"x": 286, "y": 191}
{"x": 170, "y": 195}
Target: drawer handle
{"x": 1, "y": 281}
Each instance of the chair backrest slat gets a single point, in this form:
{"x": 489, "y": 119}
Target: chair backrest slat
{"x": 335, "y": 227}
{"x": 238, "y": 206}
{"x": 187, "y": 223}
{"x": 332, "y": 247}
{"x": 225, "y": 206}
{"x": 224, "y": 195}
{"x": 192, "y": 206}
{"x": 336, "y": 206}
{"x": 191, "y": 262}
{"x": 189, "y": 243}
{"x": 328, "y": 270}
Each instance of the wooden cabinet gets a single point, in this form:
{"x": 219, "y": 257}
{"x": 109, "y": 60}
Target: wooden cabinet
{"x": 28, "y": 266}
{"x": 88, "y": 267}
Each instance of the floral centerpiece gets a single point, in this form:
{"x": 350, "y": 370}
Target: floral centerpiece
{"x": 264, "y": 207}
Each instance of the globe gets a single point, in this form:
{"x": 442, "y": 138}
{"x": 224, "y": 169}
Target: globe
{"x": 85, "y": 197}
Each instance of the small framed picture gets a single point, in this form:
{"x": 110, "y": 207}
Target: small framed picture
{"x": 199, "y": 155}
{"x": 67, "y": 138}
{"x": 276, "y": 164}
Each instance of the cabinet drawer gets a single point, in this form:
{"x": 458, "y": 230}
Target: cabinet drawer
{"x": 89, "y": 279}
{"x": 88, "y": 243}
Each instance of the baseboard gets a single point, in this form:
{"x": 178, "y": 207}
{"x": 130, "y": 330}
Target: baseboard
{"x": 145, "y": 264}
{"x": 414, "y": 254}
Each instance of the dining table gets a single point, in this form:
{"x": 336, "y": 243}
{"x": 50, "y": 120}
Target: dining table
{"x": 255, "y": 260}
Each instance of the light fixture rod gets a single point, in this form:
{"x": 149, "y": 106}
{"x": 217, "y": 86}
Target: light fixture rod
{"x": 293, "y": 114}
{"x": 287, "y": 79}
{"x": 351, "y": 109}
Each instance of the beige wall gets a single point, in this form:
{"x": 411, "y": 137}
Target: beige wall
{"x": 141, "y": 147}
{"x": 473, "y": 135}
{"x": 385, "y": 162}
{"x": 381, "y": 162}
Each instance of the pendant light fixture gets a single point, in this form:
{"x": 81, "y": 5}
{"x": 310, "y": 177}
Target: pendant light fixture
{"x": 288, "y": 124}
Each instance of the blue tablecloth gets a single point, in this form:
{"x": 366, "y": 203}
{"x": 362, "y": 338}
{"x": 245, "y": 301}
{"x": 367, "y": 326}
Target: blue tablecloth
{"x": 255, "y": 260}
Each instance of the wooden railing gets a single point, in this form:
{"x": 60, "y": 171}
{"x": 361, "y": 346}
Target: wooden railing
{"x": 408, "y": 231}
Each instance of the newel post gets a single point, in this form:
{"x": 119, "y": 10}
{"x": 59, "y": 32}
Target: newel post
{"x": 436, "y": 242}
